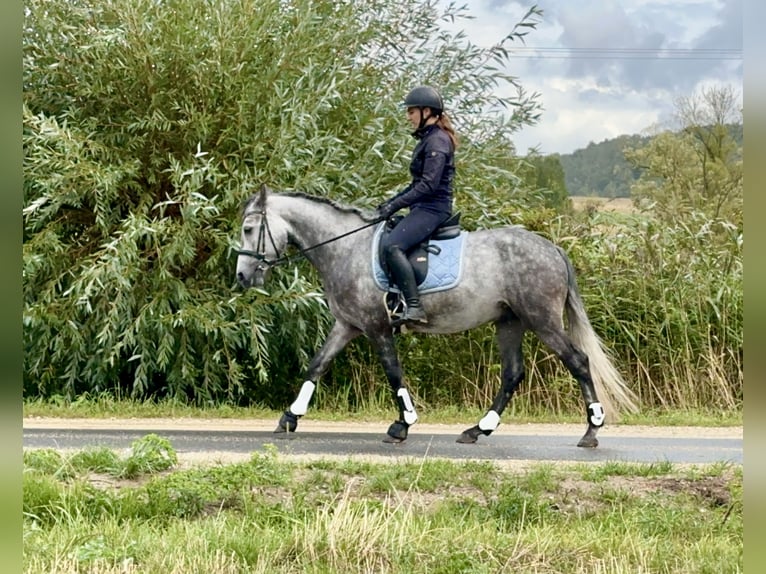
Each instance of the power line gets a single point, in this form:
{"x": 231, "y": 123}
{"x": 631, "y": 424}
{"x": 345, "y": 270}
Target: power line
{"x": 551, "y": 52}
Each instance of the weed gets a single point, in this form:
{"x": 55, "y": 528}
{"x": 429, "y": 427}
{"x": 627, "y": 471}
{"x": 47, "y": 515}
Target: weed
{"x": 149, "y": 454}
{"x": 45, "y": 461}
{"x": 100, "y": 459}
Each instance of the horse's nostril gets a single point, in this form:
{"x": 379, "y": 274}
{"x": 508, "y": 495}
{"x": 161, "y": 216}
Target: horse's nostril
{"x": 241, "y": 277}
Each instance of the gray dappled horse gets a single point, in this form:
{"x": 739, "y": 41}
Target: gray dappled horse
{"x": 511, "y": 277}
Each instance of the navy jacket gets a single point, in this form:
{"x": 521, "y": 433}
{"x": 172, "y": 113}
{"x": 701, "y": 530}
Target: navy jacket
{"x": 432, "y": 169}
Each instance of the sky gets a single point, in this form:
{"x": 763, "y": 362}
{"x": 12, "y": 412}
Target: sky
{"x": 605, "y": 68}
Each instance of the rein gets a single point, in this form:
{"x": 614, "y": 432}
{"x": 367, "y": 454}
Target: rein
{"x": 263, "y": 230}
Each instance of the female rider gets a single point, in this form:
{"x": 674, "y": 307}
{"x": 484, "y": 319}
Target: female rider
{"x": 429, "y": 195}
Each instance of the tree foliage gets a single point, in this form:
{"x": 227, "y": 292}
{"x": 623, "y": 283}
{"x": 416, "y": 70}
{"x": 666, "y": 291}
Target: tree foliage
{"x": 146, "y": 124}
{"x": 697, "y": 169}
{"x": 545, "y": 173}
{"x": 600, "y": 169}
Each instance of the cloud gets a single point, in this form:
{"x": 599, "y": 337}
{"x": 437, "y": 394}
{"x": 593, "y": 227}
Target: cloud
{"x": 606, "y": 68}
{"x": 649, "y": 45}
{"x": 727, "y": 33}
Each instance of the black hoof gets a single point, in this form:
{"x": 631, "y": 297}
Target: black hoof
{"x": 589, "y": 439}
{"x": 397, "y": 432}
{"x": 588, "y": 442}
{"x": 392, "y": 440}
{"x": 470, "y": 435}
{"x": 288, "y": 422}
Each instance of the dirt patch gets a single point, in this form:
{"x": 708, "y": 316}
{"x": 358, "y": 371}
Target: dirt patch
{"x": 713, "y": 490}
{"x": 573, "y": 495}
{"x": 108, "y": 482}
{"x": 572, "y": 492}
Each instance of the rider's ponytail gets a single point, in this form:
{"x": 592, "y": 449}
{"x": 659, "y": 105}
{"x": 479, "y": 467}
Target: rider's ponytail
{"x": 445, "y": 124}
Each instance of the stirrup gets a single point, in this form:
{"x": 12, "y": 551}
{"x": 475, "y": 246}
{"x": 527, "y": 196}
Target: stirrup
{"x": 395, "y": 307}
{"x": 419, "y": 316}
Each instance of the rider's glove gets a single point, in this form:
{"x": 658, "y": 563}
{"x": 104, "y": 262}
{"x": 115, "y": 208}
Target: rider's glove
{"x": 386, "y": 210}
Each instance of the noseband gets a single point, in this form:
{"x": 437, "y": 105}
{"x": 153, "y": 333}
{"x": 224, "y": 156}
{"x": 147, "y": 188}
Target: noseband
{"x": 259, "y": 254}
{"x": 264, "y": 231}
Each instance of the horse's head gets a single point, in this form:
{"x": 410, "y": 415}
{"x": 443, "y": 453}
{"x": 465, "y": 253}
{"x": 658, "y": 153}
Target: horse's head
{"x": 263, "y": 240}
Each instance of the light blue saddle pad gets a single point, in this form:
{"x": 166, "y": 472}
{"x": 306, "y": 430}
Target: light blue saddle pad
{"x": 444, "y": 269}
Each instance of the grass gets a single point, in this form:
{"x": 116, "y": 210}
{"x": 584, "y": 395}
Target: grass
{"x": 105, "y": 406}
{"x": 270, "y": 514}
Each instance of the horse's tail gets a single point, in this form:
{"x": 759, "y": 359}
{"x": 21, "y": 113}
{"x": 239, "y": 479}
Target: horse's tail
{"x": 611, "y": 389}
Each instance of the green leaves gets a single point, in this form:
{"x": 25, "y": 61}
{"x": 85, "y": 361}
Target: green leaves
{"x": 697, "y": 170}
{"x": 146, "y": 124}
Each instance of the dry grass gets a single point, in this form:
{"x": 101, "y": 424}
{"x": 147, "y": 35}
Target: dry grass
{"x": 617, "y": 204}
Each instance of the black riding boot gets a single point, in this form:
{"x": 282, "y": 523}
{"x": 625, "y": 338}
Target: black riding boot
{"x": 404, "y": 277}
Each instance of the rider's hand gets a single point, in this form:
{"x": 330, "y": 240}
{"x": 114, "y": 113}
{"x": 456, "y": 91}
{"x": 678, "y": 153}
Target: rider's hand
{"x": 385, "y": 210}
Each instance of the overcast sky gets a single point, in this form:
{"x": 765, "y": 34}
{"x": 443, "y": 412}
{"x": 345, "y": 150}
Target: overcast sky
{"x": 604, "y": 68}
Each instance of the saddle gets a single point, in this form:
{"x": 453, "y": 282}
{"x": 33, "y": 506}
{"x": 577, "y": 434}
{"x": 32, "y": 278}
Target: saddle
{"x": 418, "y": 255}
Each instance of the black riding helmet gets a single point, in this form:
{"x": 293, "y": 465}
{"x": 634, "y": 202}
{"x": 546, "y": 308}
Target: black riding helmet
{"x": 424, "y": 97}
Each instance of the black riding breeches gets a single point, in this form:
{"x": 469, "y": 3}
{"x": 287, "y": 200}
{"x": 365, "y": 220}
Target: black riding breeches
{"x": 414, "y": 228}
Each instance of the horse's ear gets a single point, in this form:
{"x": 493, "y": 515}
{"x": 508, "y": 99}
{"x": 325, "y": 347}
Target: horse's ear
{"x": 258, "y": 199}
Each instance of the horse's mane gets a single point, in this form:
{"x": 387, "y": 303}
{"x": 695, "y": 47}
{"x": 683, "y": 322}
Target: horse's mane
{"x": 366, "y": 215}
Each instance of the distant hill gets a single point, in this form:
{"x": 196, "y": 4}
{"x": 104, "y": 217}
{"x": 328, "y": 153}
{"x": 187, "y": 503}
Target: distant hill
{"x": 600, "y": 169}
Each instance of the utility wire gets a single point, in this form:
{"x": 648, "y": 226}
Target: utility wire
{"x": 625, "y": 53}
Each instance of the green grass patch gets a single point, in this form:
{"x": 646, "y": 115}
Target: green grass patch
{"x": 269, "y": 514}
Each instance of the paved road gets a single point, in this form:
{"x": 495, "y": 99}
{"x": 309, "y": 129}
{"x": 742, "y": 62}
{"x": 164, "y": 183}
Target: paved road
{"x": 501, "y": 447}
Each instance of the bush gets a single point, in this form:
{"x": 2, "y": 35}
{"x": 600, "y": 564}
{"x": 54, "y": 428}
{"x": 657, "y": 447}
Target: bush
{"x": 147, "y": 124}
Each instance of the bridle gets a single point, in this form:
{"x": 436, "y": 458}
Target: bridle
{"x": 264, "y": 233}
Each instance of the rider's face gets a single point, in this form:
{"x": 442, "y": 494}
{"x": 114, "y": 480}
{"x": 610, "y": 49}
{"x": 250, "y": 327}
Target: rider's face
{"x": 413, "y": 114}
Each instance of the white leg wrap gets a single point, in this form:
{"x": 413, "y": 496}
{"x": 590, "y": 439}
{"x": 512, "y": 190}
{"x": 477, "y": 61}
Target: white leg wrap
{"x": 597, "y": 415}
{"x": 409, "y": 414}
{"x": 490, "y": 421}
{"x": 301, "y": 404}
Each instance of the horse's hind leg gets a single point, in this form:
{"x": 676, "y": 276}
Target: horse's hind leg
{"x": 510, "y": 333}
{"x": 578, "y": 364}
{"x": 399, "y": 429}
{"x": 340, "y": 335}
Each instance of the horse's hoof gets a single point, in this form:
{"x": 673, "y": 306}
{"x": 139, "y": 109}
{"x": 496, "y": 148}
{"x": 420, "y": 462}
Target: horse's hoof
{"x": 392, "y": 440}
{"x": 397, "y": 432}
{"x": 288, "y": 422}
{"x": 470, "y": 435}
{"x": 588, "y": 442}
{"x": 589, "y": 439}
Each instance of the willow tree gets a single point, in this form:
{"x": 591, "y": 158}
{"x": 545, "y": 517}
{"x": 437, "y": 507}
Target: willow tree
{"x": 146, "y": 124}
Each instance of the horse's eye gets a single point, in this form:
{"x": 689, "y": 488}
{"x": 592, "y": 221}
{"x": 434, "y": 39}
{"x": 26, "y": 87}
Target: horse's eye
{"x": 248, "y": 230}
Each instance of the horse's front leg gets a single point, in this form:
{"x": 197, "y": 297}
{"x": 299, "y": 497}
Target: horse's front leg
{"x": 399, "y": 429}
{"x": 340, "y": 335}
